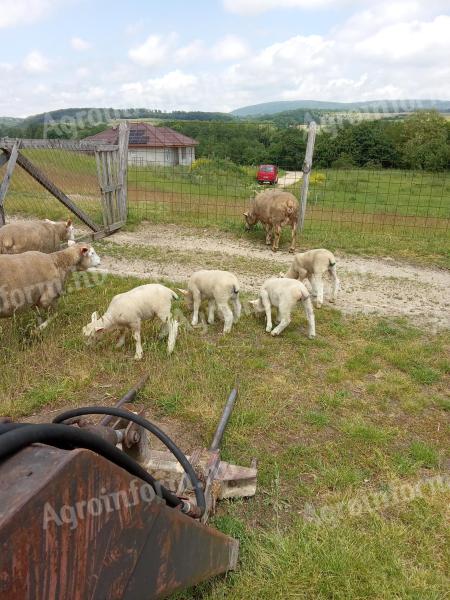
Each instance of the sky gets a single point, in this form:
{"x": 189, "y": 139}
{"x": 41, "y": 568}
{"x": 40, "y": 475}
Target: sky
{"x": 219, "y": 55}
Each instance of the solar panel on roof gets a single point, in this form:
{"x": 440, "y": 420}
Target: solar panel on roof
{"x": 138, "y": 137}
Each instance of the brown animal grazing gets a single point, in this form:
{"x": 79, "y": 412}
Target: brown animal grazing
{"x": 42, "y": 236}
{"x": 36, "y": 279}
{"x": 274, "y": 209}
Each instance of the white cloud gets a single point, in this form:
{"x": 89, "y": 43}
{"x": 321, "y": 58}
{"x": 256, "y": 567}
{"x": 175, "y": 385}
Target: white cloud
{"x": 190, "y": 52}
{"x": 423, "y": 42}
{"x": 154, "y": 51}
{"x": 167, "y": 92}
{"x": 82, "y": 72}
{"x": 35, "y": 62}
{"x": 231, "y": 47}
{"x": 17, "y": 12}
{"x": 79, "y": 44}
{"x": 392, "y": 50}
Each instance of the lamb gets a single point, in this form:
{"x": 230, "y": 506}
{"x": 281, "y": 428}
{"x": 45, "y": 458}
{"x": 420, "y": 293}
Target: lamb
{"x": 312, "y": 265}
{"x": 35, "y": 279}
{"x": 42, "y": 236}
{"x": 274, "y": 209}
{"x": 284, "y": 294}
{"x": 128, "y": 310}
{"x": 218, "y": 287}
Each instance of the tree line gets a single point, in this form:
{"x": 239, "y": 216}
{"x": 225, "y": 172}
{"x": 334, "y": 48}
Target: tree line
{"x": 419, "y": 141}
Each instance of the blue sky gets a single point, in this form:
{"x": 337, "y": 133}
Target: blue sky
{"x": 221, "y": 54}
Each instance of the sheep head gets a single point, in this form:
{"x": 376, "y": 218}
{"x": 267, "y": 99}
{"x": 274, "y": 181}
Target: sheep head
{"x": 188, "y": 298}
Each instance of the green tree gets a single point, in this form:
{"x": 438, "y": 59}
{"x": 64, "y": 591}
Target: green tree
{"x": 425, "y": 141}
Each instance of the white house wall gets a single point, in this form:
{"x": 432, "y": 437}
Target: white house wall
{"x": 147, "y": 157}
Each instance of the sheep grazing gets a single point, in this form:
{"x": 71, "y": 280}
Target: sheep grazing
{"x": 312, "y": 265}
{"x": 274, "y": 209}
{"x": 284, "y": 294}
{"x": 35, "y": 279}
{"x": 218, "y": 287}
{"x": 41, "y": 236}
{"x": 128, "y": 310}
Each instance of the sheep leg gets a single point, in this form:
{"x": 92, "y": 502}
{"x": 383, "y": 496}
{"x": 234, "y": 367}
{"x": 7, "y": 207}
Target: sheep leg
{"x": 122, "y": 338}
{"x": 309, "y": 286}
{"x": 319, "y": 287}
{"x": 197, "y": 301}
{"x": 47, "y": 301}
{"x": 335, "y": 284}
{"x": 164, "y": 331}
{"x": 268, "y": 309}
{"x": 236, "y": 307}
{"x": 43, "y": 324}
{"x": 227, "y": 316}
{"x": 211, "y": 311}
{"x": 285, "y": 315}
{"x": 276, "y": 237}
{"x": 293, "y": 237}
{"x": 173, "y": 332}
{"x": 309, "y": 312}
{"x": 268, "y": 234}
{"x": 137, "y": 338}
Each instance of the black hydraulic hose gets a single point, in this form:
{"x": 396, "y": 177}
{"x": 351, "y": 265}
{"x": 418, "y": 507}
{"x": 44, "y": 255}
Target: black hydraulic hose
{"x": 165, "y": 439}
{"x": 21, "y": 435}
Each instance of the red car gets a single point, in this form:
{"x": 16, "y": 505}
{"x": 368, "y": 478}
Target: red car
{"x": 267, "y": 174}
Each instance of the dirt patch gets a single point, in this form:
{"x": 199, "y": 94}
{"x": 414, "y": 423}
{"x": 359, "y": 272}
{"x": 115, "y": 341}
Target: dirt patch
{"x": 368, "y": 285}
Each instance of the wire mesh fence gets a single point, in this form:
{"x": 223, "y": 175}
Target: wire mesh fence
{"x": 216, "y": 191}
{"x": 206, "y": 174}
{"x": 73, "y": 172}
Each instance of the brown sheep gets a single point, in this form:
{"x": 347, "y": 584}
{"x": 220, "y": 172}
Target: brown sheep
{"x": 41, "y": 236}
{"x": 274, "y": 209}
{"x": 36, "y": 279}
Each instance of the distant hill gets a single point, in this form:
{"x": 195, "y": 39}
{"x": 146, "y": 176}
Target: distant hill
{"x": 394, "y": 106}
{"x": 10, "y": 121}
{"x": 100, "y": 115}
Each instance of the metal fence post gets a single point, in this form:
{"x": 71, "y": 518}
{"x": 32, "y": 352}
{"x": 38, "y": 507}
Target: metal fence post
{"x": 307, "y": 165}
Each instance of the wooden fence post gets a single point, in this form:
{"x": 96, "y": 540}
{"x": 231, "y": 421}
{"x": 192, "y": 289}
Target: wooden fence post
{"x": 124, "y": 133}
{"x": 6, "y": 179}
{"x": 307, "y": 165}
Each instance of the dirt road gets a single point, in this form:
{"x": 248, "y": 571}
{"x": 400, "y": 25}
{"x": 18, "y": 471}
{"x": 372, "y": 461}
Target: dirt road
{"x": 368, "y": 285}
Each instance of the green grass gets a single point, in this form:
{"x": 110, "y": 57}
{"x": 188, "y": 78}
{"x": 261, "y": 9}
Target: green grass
{"x": 324, "y": 426}
{"x": 381, "y": 192}
{"x": 404, "y": 214}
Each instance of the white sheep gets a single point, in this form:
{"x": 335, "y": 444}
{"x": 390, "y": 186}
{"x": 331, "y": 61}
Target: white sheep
{"x": 218, "y": 287}
{"x": 128, "y": 310}
{"x": 312, "y": 265}
{"x": 42, "y": 236}
{"x": 284, "y": 294}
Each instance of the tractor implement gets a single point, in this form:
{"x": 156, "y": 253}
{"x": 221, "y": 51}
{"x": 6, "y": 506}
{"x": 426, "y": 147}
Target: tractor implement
{"x": 89, "y": 510}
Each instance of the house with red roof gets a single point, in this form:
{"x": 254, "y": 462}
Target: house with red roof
{"x": 150, "y": 146}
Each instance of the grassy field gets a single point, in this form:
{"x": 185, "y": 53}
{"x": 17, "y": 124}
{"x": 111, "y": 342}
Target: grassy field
{"x": 376, "y": 212}
{"x": 334, "y": 423}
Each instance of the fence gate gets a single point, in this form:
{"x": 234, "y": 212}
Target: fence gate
{"x": 111, "y": 173}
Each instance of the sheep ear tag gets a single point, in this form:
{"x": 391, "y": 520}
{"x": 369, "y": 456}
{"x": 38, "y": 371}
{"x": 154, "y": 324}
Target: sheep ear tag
{"x": 184, "y": 292}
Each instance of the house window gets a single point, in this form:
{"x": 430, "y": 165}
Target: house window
{"x": 183, "y": 153}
